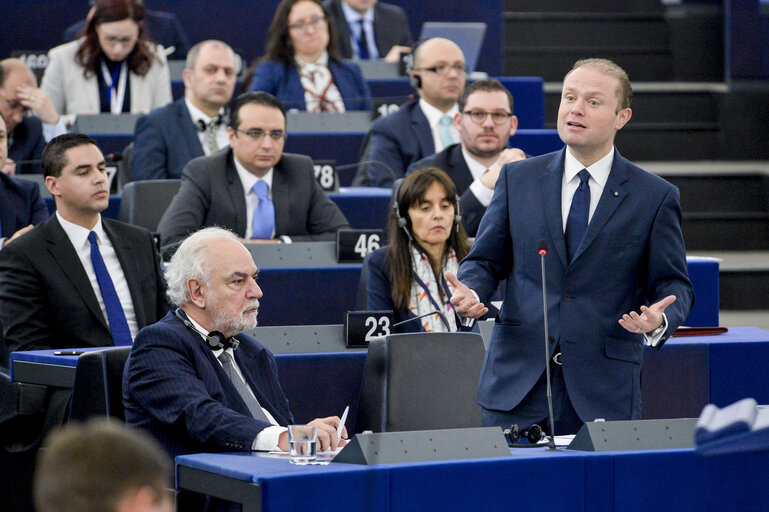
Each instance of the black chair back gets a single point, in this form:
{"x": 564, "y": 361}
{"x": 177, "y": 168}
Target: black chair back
{"x": 421, "y": 381}
{"x": 144, "y": 202}
{"x": 98, "y": 389}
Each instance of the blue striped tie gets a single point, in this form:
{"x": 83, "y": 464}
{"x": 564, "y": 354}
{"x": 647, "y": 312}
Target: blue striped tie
{"x": 118, "y": 325}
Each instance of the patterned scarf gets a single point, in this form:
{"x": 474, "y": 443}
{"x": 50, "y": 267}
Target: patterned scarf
{"x": 320, "y": 93}
{"x": 420, "y": 301}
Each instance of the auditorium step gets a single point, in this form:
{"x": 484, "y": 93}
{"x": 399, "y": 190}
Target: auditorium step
{"x": 743, "y": 279}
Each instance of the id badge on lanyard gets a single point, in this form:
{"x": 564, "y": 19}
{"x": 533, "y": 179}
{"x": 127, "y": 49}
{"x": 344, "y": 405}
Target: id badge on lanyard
{"x": 115, "y": 92}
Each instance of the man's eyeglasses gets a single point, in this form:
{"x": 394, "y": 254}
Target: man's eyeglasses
{"x": 304, "y": 25}
{"x": 15, "y": 106}
{"x": 258, "y": 134}
{"x": 443, "y": 69}
{"x": 479, "y": 116}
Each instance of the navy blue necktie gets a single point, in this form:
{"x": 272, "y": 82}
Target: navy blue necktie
{"x": 363, "y": 41}
{"x": 118, "y": 325}
{"x": 576, "y": 223}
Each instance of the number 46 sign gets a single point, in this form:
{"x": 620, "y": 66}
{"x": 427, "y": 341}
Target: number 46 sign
{"x": 353, "y": 245}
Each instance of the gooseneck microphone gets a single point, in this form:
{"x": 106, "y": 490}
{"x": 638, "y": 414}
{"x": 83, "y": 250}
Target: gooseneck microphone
{"x": 431, "y": 313}
{"x": 542, "y": 251}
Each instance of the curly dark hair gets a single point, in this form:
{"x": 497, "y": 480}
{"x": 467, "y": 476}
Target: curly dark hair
{"x": 107, "y": 11}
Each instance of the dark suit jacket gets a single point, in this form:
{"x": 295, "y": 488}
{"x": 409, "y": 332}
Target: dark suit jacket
{"x": 284, "y": 83}
{"x": 632, "y": 254}
{"x": 379, "y": 293}
{"x": 28, "y": 143}
{"x": 398, "y": 140}
{"x": 391, "y": 27}
{"x": 20, "y": 205}
{"x": 162, "y": 27}
{"x": 46, "y": 298}
{"x": 174, "y": 388}
{"x": 211, "y": 194}
{"x": 452, "y": 162}
{"x": 164, "y": 141}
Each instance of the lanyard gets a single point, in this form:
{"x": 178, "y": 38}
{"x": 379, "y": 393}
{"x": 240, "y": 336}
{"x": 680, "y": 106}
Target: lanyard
{"x": 116, "y": 99}
{"x": 443, "y": 308}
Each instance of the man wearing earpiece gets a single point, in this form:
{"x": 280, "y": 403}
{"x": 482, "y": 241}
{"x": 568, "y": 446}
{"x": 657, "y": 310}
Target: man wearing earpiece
{"x": 194, "y": 380}
{"x": 424, "y": 126}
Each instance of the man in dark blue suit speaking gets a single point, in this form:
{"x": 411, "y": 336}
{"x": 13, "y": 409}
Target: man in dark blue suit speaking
{"x": 194, "y": 380}
{"x": 616, "y": 268}
{"x": 195, "y": 125}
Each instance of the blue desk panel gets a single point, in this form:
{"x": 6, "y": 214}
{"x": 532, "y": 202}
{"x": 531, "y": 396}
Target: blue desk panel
{"x": 531, "y": 479}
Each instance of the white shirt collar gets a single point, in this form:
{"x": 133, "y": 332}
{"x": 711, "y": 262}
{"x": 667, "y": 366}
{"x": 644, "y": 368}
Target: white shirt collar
{"x": 78, "y": 235}
{"x": 352, "y": 16}
{"x": 433, "y": 114}
{"x": 476, "y": 168}
{"x": 599, "y": 171}
{"x": 197, "y": 114}
{"x": 322, "y": 61}
{"x": 248, "y": 180}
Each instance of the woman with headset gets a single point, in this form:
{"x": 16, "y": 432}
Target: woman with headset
{"x": 426, "y": 238}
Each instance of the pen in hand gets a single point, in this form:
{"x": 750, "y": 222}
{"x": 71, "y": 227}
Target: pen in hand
{"x": 341, "y": 422}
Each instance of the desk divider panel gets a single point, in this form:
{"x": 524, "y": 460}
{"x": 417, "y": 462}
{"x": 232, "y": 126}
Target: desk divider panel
{"x": 352, "y": 121}
{"x": 425, "y": 445}
{"x": 297, "y": 254}
{"x": 301, "y": 339}
{"x": 105, "y": 123}
{"x": 602, "y": 436}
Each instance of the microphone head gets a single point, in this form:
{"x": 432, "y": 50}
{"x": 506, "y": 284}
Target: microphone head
{"x": 541, "y": 247}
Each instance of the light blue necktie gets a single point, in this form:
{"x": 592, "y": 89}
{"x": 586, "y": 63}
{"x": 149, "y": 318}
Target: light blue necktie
{"x": 448, "y": 139}
{"x": 264, "y": 214}
{"x": 576, "y": 223}
{"x": 118, "y": 325}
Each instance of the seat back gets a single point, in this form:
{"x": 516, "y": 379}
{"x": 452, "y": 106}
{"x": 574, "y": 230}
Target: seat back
{"x": 98, "y": 389}
{"x": 421, "y": 381}
{"x": 144, "y": 202}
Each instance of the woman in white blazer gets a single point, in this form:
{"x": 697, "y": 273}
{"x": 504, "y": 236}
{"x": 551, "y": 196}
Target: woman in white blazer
{"x": 113, "y": 68}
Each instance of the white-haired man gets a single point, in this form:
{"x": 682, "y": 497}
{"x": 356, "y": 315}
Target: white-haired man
{"x": 194, "y": 380}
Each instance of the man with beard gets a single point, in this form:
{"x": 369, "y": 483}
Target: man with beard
{"x": 485, "y": 123}
{"x": 194, "y": 380}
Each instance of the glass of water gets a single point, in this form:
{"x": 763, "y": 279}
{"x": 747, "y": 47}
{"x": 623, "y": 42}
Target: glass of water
{"x": 303, "y": 441}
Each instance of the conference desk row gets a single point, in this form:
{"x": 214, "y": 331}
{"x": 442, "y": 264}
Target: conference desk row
{"x": 677, "y": 382}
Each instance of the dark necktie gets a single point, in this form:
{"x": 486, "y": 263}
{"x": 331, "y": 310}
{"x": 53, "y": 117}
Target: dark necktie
{"x": 363, "y": 41}
{"x": 251, "y": 402}
{"x": 576, "y": 223}
{"x": 118, "y": 325}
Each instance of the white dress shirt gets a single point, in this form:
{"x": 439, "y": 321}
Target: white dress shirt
{"x": 481, "y": 192}
{"x": 78, "y": 236}
{"x": 222, "y": 138}
{"x": 353, "y": 22}
{"x": 433, "y": 116}
{"x": 267, "y": 439}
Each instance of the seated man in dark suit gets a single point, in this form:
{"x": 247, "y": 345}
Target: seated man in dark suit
{"x": 253, "y": 188}
{"x": 78, "y": 280}
{"x": 485, "y": 123}
{"x": 20, "y": 204}
{"x": 196, "y": 125}
{"x": 420, "y": 127}
{"x": 19, "y": 95}
{"x": 162, "y": 27}
{"x": 369, "y": 29}
{"x": 194, "y": 380}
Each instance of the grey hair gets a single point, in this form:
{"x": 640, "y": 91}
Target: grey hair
{"x": 190, "y": 261}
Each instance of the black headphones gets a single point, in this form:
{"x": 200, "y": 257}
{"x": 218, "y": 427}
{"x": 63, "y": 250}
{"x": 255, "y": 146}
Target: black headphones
{"x": 214, "y": 339}
{"x": 403, "y": 222}
{"x": 414, "y": 80}
{"x": 534, "y": 434}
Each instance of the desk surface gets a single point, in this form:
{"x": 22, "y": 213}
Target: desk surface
{"x": 621, "y": 481}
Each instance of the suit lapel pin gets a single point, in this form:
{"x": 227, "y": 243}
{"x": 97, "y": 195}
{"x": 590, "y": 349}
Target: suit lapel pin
{"x": 616, "y": 193}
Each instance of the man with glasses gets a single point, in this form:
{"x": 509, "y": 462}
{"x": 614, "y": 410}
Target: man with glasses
{"x": 253, "y": 188}
{"x": 20, "y": 98}
{"x": 424, "y": 126}
{"x": 195, "y": 125}
{"x": 485, "y": 123}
